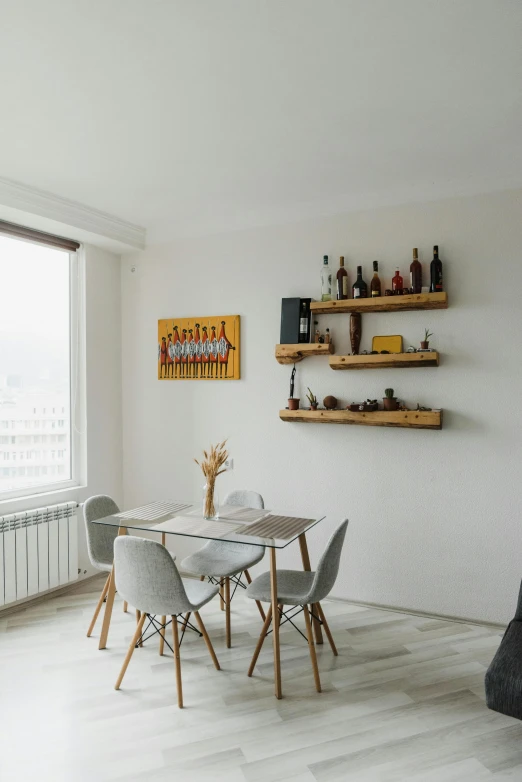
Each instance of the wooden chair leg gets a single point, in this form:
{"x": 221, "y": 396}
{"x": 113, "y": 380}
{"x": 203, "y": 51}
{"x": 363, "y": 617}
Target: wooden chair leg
{"x": 177, "y": 660}
{"x": 303, "y": 545}
{"x": 327, "y": 629}
{"x": 208, "y": 642}
{"x": 162, "y": 635}
{"x": 98, "y": 606}
{"x": 316, "y": 624}
{"x": 138, "y": 617}
{"x": 227, "y": 612}
{"x": 260, "y": 642}
{"x": 185, "y": 622}
{"x": 109, "y": 603}
{"x": 132, "y": 646}
{"x": 221, "y": 597}
{"x": 258, "y": 604}
{"x": 125, "y": 606}
{"x": 311, "y": 645}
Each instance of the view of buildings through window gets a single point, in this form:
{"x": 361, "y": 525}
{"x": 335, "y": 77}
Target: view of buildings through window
{"x": 35, "y": 430}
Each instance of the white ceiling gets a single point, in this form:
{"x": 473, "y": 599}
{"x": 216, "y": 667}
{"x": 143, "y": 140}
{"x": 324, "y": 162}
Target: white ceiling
{"x": 189, "y": 116}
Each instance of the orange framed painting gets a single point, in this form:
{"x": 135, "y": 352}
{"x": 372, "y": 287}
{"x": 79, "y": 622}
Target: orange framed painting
{"x": 199, "y": 348}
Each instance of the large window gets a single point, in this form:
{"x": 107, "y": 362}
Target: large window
{"x": 35, "y": 367}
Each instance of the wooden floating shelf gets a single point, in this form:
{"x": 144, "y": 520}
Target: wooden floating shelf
{"x": 385, "y": 361}
{"x": 291, "y": 354}
{"x": 408, "y": 419}
{"x": 412, "y": 301}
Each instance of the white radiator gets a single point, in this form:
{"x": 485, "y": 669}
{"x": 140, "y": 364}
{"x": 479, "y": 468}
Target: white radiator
{"x": 38, "y": 551}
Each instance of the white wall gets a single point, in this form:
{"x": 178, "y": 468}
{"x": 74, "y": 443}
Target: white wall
{"x": 102, "y": 433}
{"x": 434, "y": 516}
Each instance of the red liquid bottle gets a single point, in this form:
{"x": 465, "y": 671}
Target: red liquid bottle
{"x": 416, "y": 273}
{"x": 397, "y": 281}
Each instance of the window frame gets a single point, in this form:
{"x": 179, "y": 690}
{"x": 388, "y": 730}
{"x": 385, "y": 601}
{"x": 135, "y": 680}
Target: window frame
{"x": 76, "y": 387}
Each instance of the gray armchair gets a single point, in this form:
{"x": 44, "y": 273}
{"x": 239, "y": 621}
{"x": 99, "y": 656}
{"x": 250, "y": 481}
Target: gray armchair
{"x": 504, "y": 676}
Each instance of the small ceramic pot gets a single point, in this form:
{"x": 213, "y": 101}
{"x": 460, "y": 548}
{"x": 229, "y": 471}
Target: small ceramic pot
{"x": 390, "y": 404}
{"x": 293, "y": 404}
{"x": 313, "y": 407}
{"x": 425, "y": 345}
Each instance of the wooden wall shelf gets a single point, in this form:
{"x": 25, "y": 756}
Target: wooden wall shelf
{"x": 291, "y": 354}
{"x": 408, "y": 419}
{"x": 414, "y": 301}
{"x": 385, "y": 361}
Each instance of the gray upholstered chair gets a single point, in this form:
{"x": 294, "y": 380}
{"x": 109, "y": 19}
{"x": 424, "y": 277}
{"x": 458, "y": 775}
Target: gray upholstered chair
{"x": 100, "y": 542}
{"x": 225, "y": 562}
{"x": 305, "y": 589}
{"x": 147, "y": 577}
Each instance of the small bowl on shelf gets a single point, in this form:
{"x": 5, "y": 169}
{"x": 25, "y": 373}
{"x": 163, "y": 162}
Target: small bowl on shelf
{"x": 363, "y": 407}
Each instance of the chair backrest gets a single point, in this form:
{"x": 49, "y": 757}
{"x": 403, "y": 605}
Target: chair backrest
{"x": 250, "y": 499}
{"x": 100, "y": 538}
{"x": 147, "y": 577}
{"x": 328, "y": 567}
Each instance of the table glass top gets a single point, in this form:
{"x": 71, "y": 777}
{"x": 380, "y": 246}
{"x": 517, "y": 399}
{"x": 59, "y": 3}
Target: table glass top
{"x": 234, "y": 524}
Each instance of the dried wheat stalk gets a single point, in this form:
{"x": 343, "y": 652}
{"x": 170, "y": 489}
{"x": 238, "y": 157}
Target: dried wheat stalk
{"x": 211, "y": 467}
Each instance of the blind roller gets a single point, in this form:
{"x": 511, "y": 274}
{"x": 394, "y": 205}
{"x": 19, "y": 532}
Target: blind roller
{"x": 21, "y": 232}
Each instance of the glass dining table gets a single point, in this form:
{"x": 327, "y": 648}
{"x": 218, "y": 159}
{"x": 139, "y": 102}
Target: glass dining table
{"x": 234, "y": 524}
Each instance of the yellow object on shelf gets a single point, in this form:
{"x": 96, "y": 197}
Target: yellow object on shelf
{"x": 392, "y": 343}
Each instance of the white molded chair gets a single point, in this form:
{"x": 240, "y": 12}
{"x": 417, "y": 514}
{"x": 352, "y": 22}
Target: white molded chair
{"x": 147, "y": 577}
{"x": 305, "y": 589}
{"x": 225, "y": 562}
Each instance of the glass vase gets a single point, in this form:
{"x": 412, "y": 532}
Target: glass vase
{"x": 210, "y": 501}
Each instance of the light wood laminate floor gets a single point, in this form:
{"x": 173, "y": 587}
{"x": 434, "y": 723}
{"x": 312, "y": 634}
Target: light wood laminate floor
{"x": 404, "y": 701}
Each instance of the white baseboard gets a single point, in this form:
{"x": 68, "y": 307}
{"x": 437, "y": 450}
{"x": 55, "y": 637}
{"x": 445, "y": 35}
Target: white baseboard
{"x": 415, "y": 612}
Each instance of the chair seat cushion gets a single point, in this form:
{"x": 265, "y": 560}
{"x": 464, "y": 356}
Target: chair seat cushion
{"x": 293, "y": 587}
{"x": 107, "y": 566}
{"x": 219, "y": 559}
{"x": 504, "y": 675}
{"x": 199, "y": 592}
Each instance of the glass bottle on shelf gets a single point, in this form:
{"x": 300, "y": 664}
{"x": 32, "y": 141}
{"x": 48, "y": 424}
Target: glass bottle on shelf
{"x": 436, "y": 272}
{"x": 416, "y": 273}
{"x": 304, "y": 317}
{"x": 326, "y": 280}
{"x": 342, "y": 280}
{"x": 397, "y": 281}
{"x": 359, "y": 288}
{"x": 375, "y": 285}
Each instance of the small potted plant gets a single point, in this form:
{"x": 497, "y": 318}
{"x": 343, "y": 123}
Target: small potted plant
{"x": 389, "y": 401}
{"x": 312, "y": 399}
{"x": 426, "y": 341}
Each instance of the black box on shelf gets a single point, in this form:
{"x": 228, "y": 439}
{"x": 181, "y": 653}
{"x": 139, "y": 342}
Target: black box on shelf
{"x": 295, "y": 321}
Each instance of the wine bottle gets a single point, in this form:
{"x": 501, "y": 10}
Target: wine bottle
{"x": 436, "y": 272}
{"x": 342, "y": 280}
{"x": 304, "y": 317}
{"x": 416, "y": 273}
{"x": 359, "y": 288}
{"x": 326, "y": 280}
{"x": 397, "y": 281}
{"x": 375, "y": 285}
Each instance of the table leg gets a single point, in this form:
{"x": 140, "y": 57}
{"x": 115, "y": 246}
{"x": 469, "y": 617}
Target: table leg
{"x": 316, "y": 622}
{"x": 227, "y": 615}
{"x": 275, "y": 624}
{"x": 163, "y": 618}
{"x": 109, "y": 602}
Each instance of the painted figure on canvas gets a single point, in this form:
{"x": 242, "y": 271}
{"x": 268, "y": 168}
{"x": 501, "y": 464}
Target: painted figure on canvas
{"x": 199, "y": 348}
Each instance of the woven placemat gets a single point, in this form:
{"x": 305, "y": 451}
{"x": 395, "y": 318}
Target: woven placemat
{"x": 282, "y": 527}
{"x": 153, "y": 511}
